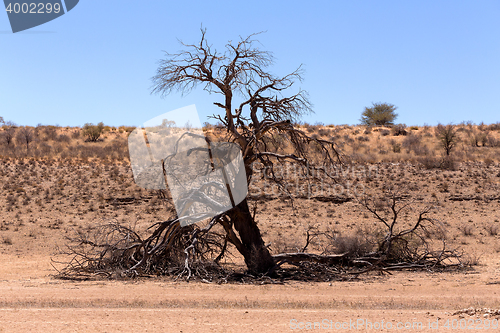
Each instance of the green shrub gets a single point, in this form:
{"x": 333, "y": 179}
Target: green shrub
{"x": 380, "y": 114}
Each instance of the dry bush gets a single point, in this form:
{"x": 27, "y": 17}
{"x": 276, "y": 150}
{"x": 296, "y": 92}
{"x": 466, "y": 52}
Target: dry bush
{"x": 492, "y": 141}
{"x": 395, "y": 146}
{"x": 50, "y": 132}
{"x": 448, "y": 163}
{"x": 467, "y": 230}
{"x": 63, "y": 138}
{"x": 430, "y": 162}
{"x": 413, "y": 142}
{"x": 492, "y": 229}
{"x": 471, "y": 259}
{"x": 399, "y": 129}
{"x": 385, "y": 132}
{"x": 324, "y": 132}
{"x": 494, "y": 127}
{"x": 7, "y": 240}
{"x": 354, "y": 246}
{"x": 444, "y": 163}
{"x": 406, "y": 245}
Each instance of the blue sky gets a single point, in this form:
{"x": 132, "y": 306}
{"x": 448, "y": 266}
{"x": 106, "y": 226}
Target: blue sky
{"x": 437, "y": 61}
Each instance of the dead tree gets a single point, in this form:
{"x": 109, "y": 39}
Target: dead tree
{"x": 264, "y": 112}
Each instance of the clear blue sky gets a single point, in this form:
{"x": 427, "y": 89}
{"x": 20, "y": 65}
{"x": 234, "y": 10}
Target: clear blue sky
{"x": 438, "y": 61}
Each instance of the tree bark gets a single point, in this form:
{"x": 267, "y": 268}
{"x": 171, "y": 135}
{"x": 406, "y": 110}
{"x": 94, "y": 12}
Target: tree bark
{"x": 257, "y": 257}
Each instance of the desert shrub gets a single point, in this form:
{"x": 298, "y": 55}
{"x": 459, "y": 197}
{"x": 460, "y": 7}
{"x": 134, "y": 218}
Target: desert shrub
{"x": 412, "y": 142}
{"x": 207, "y": 126}
{"x": 466, "y": 229}
{"x": 494, "y": 127}
{"x": 430, "y": 162}
{"x": 384, "y": 132}
{"x": 44, "y": 148}
{"x": 492, "y": 141}
{"x": 324, "y": 132}
{"x": 399, "y": 129}
{"x": 492, "y": 229}
{"x": 474, "y": 140}
{"x": 482, "y": 138}
{"x": 63, "y": 138}
{"x": 448, "y": 163}
{"x": 488, "y": 161}
{"x": 92, "y": 132}
{"x": 355, "y": 246}
{"x": 471, "y": 259}
{"x": 348, "y": 138}
{"x": 50, "y": 132}
{"x": 396, "y": 147}
{"x": 414, "y": 128}
{"x": 363, "y": 138}
{"x": 129, "y": 129}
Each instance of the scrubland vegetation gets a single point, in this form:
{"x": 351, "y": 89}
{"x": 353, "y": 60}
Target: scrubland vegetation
{"x": 60, "y": 180}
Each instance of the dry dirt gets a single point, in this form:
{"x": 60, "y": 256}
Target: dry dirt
{"x": 42, "y": 202}
{"x": 30, "y": 300}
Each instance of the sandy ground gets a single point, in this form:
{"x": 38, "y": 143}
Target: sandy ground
{"x": 32, "y": 301}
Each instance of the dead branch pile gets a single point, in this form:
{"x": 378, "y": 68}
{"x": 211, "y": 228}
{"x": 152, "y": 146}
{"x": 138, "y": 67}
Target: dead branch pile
{"x": 116, "y": 251}
{"x": 194, "y": 252}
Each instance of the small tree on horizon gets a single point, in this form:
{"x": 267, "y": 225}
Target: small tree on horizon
{"x": 92, "y": 132}
{"x": 25, "y": 136}
{"x": 8, "y": 135}
{"x": 447, "y": 137}
{"x": 380, "y": 114}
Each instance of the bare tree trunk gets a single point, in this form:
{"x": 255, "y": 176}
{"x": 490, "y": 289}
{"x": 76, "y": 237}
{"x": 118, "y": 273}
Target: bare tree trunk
{"x": 257, "y": 257}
